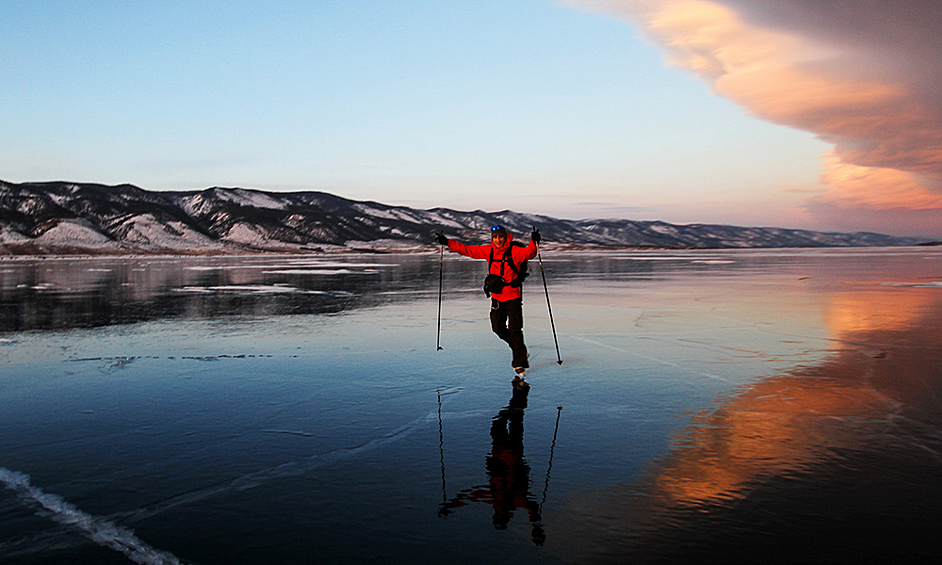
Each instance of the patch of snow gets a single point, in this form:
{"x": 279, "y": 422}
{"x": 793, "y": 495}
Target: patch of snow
{"x": 60, "y": 199}
{"x": 145, "y": 230}
{"x": 202, "y": 203}
{"x": 443, "y": 221}
{"x": 188, "y": 234}
{"x": 664, "y": 229}
{"x": 76, "y": 233}
{"x": 392, "y": 214}
{"x": 337, "y": 264}
{"x": 245, "y": 197}
{"x": 251, "y": 289}
{"x": 370, "y": 211}
{"x": 294, "y": 220}
{"x": 299, "y": 266}
{"x": 407, "y": 216}
{"x": 10, "y": 235}
{"x": 29, "y": 205}
{"x": 310, "y": 272}
{"x": 246, "y": 233}
{"x": 195, "y": 205}
{"x": 393, "y": 245}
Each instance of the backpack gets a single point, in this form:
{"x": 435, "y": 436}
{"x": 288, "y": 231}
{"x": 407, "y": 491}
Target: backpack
{"x": 494, "y": 284}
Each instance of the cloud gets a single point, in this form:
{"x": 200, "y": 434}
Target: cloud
{"x": 864, "y": 76}
{"x": 877, "y": 188}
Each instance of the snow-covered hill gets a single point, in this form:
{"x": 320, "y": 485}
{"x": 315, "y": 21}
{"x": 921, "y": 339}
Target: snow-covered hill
{"x": 69, "y": 218}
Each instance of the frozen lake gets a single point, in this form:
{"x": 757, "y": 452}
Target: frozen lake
{"x": 733, "y": 406}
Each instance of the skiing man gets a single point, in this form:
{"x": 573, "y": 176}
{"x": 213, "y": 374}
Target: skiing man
{"x": 503, "y": 285}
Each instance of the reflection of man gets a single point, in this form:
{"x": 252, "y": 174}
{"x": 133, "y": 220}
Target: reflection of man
{"x": 507, "y": 471}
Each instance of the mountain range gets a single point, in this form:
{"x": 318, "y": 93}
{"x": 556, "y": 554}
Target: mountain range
{"x": 43, "y": 218}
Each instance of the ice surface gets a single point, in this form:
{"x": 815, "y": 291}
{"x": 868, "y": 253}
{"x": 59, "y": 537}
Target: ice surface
{"x": 713, "y": 405}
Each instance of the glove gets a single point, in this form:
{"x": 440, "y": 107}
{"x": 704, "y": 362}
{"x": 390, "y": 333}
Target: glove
{"x": 535, "y": 236}
{"x": 440, "y": 237}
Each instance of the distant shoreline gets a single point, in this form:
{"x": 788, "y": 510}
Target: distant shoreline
{"x": 413, "y": 250}
{"x": 63, "y": 218}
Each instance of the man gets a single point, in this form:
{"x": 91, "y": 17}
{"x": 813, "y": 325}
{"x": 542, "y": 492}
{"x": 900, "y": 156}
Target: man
{"x": 503, "y": 285}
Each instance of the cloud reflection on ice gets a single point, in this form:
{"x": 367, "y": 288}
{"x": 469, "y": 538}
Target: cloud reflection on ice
{"x": 833, "y": 459}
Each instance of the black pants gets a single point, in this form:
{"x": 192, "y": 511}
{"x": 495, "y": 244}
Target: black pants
{"x": 507, "y": 323}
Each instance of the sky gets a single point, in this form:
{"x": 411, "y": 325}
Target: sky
{"x": 814, "y": 114}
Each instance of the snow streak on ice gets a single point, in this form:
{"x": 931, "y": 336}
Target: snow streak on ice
{"x": 99, "y": 530}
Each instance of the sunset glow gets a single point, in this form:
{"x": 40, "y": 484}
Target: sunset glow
{"x": 868, "y": 99}
{"x": 814, "y": 114}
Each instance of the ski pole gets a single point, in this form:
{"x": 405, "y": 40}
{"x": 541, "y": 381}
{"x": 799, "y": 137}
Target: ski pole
{"x": 559, "y": 360}
{"x": 549, "y": 467}
{"x": 441, "y": 447}
{"x": 441, "y": 278}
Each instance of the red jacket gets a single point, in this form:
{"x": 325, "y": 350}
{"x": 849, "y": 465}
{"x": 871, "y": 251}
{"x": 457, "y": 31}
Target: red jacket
{"x": 518, "y": 255}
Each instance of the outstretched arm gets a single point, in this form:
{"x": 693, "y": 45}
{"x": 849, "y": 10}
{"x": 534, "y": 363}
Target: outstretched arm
{"x": 473, "y": 251}
{"x": 476, "y": 494}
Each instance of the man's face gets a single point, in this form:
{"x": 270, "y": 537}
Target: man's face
{"x": 499, "y": 239}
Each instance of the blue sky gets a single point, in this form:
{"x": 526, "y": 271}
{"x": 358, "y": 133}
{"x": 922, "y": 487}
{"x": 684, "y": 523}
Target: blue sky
{"x": 567, "y": 109}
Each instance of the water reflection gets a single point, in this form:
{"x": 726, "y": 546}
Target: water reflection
{"x": 832, "y": 462}
{"x": 65, "y": 293}
{"x": 508, "y": 473}
{"x": 87, "y": 292}
{"x": 285, "y": 441}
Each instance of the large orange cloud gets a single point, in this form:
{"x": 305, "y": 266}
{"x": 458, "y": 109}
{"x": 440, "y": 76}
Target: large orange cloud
{"x": 865, "y": 77}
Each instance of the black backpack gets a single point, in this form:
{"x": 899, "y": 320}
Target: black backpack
{"x": 494, "y": 284}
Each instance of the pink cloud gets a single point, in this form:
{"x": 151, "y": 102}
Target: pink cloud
{"x": 864, "y": 76}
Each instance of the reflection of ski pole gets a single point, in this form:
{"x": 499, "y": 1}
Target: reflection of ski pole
{"x": 441, "y": 447}
{"x": 559, "y": 360}
{"x": 559, "y": 410}
{"x": 441, "y": 278}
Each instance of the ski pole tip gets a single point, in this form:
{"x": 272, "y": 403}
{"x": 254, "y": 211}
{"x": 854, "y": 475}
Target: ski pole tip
{"x": 560, "y": 362}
